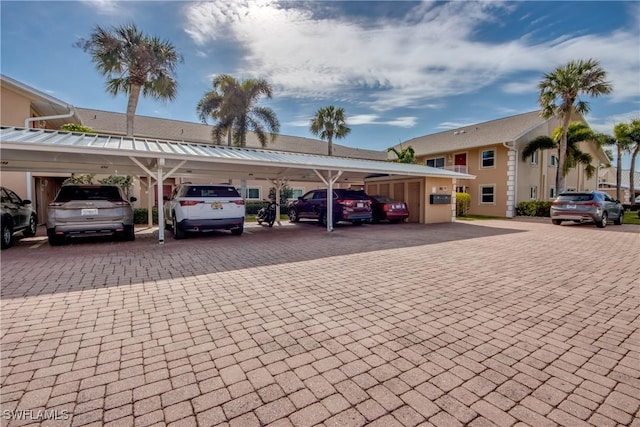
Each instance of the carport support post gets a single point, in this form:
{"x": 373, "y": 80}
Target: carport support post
{"x": 150, "y": 201}
{"x": 329, "y": 181}
{"x": 160, "y": 181}
{"x": 278, "y": 184}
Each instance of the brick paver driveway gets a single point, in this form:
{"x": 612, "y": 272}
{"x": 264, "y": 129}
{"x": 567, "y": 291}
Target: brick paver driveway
{"x": 482, "y": 323}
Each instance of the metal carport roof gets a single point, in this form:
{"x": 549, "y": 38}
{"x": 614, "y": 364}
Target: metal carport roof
{"x": 40, "y": 150}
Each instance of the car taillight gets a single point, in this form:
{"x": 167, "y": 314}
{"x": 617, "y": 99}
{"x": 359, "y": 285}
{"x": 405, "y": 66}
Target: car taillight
{"x": 555, "y": 203}
{"x": 592, "y": 204}
{"x": 239, "y": 202}
{"x": 345, "y": 202}
{"x": 385, "y": 207}
{"x": 189, "y": 202}
{"x": 119, "y": 202}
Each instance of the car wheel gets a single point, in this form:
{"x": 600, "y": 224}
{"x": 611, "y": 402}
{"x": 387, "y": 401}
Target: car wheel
{"x": 556, "y": 221}
{"x": 238, "y": 231}
{"x": 54, "y": 239}
{"x": 31, "y": 230}
{"x": 177, "y": 232}
{"x": 293, "y": 215}
{"x": 7, "y": 233}
{"x": 603, "y": 222}
{"x": 323, "y": 220}
{"x": 620, "y": 219}
{"x": 129, "y": 233}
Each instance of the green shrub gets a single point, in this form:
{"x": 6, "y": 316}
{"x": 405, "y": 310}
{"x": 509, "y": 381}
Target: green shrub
{"x": 140, "y": 215}
{"x": 463, "y": 202}
{"x": 534, "y": 208}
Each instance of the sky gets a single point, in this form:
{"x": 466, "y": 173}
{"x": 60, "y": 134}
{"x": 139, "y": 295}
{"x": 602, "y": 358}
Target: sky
{"x": 399, "y": 69}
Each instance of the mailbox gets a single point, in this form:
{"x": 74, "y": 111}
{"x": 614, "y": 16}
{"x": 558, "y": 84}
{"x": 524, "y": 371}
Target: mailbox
{"x": 440, "y": 199}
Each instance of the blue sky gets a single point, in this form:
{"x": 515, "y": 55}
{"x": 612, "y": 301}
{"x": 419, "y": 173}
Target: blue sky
{"x": 399, "y": 69}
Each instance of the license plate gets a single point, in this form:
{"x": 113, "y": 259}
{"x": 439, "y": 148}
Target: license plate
{"x": 89, "y": 212}
{"x": 571, "y": 206}
{"x": 216, "y": 205}
{"x": 360, "y": 205}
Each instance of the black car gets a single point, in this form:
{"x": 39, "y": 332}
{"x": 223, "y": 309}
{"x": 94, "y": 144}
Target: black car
{"x": 17, "y": 215}
{"x": 348, "y": 205}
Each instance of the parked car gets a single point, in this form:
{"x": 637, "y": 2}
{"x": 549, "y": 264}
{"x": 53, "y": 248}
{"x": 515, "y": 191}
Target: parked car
{"x": 81, "y": 210}
{"x": 591, "y": 206}
{"x": 636, "y": 204}
{"x": 386, "y": 209}
{"x": 17, "y": 215}
{"x": 204, "y": 207}
{"x": 348, "y": 205}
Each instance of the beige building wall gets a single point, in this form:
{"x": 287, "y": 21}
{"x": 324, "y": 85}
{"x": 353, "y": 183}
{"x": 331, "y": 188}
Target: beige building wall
{"x": 14, "y": 108}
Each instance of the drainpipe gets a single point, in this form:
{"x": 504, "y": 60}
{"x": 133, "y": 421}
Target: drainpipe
{"x": 27, "y": 124}
{"x": 515, "y": 176}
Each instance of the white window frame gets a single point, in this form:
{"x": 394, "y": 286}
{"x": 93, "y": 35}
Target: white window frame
{"x": 533, "y": 192}
{"x": 435, "y": 159}
{"x": 293, "y": 195}
{"x": 493, "y": 187}
{"x": 482, "y": 166}
{"x": 553, "y": 161}
{"x": 254, "y": 198}
{"x": 534, "y": 158}
{"x": 552, "y": 192}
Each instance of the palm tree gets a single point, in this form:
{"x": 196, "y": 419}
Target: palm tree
{"x": 559, "y": 97}
{"x": 232, "y": 104}
{"x": 627, "y": 137}
{"x": 405, "y": 155}
{"x": 577, "y": 132}
{"x": 133, "y": 63}
{"x": 328, "y": 123}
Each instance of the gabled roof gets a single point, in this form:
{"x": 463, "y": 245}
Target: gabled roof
{"x": 506, "y": 129}
{"x": 156, "y": 128}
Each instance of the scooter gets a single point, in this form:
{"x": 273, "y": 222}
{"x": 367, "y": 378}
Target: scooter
{"x": 267, "y": 214}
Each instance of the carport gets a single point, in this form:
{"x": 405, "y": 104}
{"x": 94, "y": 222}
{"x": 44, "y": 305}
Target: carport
{"x": 40, "y": 150}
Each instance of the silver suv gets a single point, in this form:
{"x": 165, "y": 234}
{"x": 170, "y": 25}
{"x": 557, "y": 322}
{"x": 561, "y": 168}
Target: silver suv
{"x": 90, "y": 210}
{"x": 204, "y": 207}
{"x": 17, "y": 215}
{"x": 590, "y": 206}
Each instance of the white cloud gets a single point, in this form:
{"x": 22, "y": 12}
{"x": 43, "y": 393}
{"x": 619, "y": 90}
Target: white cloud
{"x": 606, "y": 124}
{"x": 105, "y": 7}
{"x": 386, "y": 63}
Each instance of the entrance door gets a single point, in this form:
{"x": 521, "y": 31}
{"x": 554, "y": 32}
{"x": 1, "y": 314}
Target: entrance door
{"x": 460, "y": 162}
{"x": 414, "y": 202}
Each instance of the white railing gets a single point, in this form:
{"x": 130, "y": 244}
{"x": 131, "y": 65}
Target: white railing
{"x": 457, "y": 168}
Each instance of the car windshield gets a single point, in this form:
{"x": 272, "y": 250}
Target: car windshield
{"x": 578, "y": 197}
{"x": 210, "y": 191}
{"x": 352, "y": 194}
{"x": 382, "y": 199}
{"x": 75, "y": 192}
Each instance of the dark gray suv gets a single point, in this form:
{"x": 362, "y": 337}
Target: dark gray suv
{"x": 348, "y": 205}
{"x": 17, "y": 215}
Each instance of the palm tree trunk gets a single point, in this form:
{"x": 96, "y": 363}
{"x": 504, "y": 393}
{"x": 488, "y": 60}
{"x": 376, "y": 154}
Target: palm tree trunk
{"x": 619, "y": 172}
{"x": 632, "y": 188}
{"x": 562, "y": 154}
{"x": 132, "y": 105}
{"x": 330, "y": 144}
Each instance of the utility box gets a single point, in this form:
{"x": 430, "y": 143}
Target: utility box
{"x": 440, "y": 199}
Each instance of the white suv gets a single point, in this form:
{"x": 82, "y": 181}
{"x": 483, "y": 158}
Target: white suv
{"x": 204, "y": 207}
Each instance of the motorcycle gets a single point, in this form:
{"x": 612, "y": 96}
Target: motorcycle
{"x": 267, "y": 214}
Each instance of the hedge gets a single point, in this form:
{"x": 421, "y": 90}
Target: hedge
{"x": 534, "y": 208}
{"x": 140, "y": 215}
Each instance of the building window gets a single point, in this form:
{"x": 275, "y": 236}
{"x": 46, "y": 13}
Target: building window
{"x": 534, "y": 158}
{"x": 438, "y": 162}
{"x": 533, "y": 193}
{"x": 554, "y": 160}
{"x": 488, "y": 158}
{"x": 487, "y": 194}
{"x": 253, "y": 193}
{"x": 297, "y": 192}
{"x": 552, "y": 192}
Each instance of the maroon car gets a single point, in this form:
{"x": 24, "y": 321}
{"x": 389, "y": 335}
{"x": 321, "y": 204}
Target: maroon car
{"x": 386, "y": 209}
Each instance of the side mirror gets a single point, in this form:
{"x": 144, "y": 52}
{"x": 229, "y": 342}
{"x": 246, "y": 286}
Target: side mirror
{"x": 26, "y": 202}
{"x": 300, "y": 198}
{"x": 132, "y": 199}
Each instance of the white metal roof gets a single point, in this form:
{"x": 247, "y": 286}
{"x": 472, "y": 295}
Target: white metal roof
{"x": 40, "y": 150}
